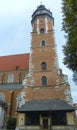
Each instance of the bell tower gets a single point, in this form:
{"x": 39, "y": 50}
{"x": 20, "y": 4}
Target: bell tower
{"x": 45, "y": 79}
{"x": 43, "y": 58}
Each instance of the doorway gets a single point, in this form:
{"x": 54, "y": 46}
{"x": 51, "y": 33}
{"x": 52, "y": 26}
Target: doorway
{"x": 45, "y": 123}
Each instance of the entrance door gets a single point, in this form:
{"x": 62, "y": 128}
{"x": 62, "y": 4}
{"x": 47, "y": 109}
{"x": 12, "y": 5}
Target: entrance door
{"x": 45, "y": 123}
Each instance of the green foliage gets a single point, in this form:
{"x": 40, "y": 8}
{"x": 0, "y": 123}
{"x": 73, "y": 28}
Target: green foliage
{"x": 75, "y": 77}
{"x": 69, "y": 10}
{"x": 11, "y": 123}
{"x": 70, "y": 60}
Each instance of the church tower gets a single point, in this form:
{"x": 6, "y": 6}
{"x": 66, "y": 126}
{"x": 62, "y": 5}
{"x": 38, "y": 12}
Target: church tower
{"x": 43, "y": 60}
{"x": 48, "y": 102}
{"x": 45, "y": 80}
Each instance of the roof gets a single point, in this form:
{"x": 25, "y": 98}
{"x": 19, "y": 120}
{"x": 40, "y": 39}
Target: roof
{"x": 45, "y": 105}
{"x": 11, "y": 62}
{"x": 10, "y": 86}
{"x": 41, "y": 11}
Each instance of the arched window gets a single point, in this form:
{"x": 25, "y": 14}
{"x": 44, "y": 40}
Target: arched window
{"x": 43, "y": 43}
{"x": 42, "y": 30}
{"x": 2, "y": 97}
{"x": 43, "y": 66}
{"x": 10, "y": 78}
{"x": 44, "y": 80}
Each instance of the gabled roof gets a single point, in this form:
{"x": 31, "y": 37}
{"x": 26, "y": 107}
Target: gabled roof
{"x": 46, "y": 105}
{"x": 11, "y": 62}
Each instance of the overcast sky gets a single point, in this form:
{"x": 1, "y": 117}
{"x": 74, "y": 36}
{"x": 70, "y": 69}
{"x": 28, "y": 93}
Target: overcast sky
{"x": 15, "y": 29}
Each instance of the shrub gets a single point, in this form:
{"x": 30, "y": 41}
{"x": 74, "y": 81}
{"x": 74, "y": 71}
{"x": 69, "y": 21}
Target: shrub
{"x": 11, "y": 123}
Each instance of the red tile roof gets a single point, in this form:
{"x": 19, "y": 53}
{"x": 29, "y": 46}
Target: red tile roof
{"x": 11, "y": 62}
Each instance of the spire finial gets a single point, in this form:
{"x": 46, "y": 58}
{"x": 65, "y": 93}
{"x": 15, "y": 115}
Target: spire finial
{"x": 41, "y": 3}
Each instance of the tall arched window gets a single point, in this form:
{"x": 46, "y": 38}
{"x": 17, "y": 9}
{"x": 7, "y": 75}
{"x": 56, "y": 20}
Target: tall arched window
{"x": 44, "y": 80}
{"x": 2, "y": 97}
{"x": 43, "y": 66}
{"x": 10, "y": 78}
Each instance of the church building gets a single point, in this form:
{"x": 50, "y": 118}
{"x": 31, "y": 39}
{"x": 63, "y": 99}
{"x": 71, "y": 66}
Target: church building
{"x": 32, "y": 86}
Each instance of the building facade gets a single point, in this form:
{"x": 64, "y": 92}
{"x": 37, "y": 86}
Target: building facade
{"x": 13, "y": 69}
{"x": 37, "y": 92}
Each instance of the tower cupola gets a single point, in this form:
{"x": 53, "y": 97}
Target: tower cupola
{"x": 42, "y": 20}
{"x": 41, "y": 11}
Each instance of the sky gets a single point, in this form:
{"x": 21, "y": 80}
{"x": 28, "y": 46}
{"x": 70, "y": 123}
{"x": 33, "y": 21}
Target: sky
{"x": 15, "y": 30}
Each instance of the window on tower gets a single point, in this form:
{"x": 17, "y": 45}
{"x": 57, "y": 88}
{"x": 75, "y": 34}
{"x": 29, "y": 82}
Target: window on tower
{"x": 42, "y": 30}
{"x": 44, "y": 80}
{"x": 43, "y": 43}
{"x": 43, "y": 65}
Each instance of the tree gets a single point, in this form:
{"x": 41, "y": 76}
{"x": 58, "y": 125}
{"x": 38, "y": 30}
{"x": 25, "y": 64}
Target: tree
{"x": 75, "y": 77}
{"x": 11, "y": 123}
{"x": 69, "y": 10}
